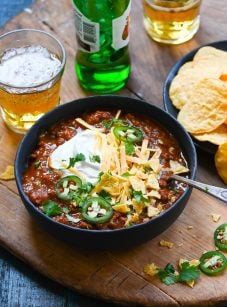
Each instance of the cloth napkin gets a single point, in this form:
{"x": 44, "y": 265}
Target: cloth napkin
{"x": 10, "y": 8}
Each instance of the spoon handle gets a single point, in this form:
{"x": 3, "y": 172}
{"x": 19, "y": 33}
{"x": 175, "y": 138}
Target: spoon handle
{"x": 217, "y": 192}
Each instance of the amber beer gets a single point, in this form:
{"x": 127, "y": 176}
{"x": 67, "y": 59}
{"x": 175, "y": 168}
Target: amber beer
{"x": 30, "y": 76}
{"x": 171, "y": 21}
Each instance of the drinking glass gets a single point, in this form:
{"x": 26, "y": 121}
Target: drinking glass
{"x": 171, "y": 21}
{"x": 31, "y": 66}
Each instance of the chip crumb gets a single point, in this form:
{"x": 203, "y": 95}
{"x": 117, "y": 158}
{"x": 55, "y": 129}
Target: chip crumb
{"x": 164, "y": 243}
{"x": 151, "y": 269}
{"x": 194, "y": 262}
{"x": 8, "y": 174}
{"x": 194, "y": 236}
{"x": 190, "y": 227}
{"x": 215, "y": 217}
{"x": 180, "y": 244}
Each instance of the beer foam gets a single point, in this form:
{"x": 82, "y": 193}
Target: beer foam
{"x": 28, "y": 66}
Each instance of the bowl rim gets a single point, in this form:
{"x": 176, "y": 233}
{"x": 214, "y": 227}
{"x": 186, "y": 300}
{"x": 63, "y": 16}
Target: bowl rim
{"x": 24, "y": 196}
{"x": 167, "y": 103}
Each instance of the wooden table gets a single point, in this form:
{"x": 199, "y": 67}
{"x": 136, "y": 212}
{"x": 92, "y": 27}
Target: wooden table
{"x": 118, "y": 276}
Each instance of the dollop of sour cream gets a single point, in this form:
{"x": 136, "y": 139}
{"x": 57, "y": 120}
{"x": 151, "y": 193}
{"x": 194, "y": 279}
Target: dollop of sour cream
{"x": 83, "y": 142}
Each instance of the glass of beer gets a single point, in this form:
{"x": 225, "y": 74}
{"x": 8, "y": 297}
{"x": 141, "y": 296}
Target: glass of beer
{"x": 31, "y": 66}
{"x": 171, "y": 21}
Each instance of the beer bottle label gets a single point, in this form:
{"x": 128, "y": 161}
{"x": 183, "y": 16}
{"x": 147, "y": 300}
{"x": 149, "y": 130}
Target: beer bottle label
{"x": 87, "y": 32}
{"x": 120, "y": 29}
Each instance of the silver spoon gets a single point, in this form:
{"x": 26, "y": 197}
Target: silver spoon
{"x": 219, "y": 193}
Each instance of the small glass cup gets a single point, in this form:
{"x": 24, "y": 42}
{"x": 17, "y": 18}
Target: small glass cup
{"x": 31, "y": 66}
{"x": 171, "y": 21}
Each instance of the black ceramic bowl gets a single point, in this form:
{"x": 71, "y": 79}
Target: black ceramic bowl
{"x": 169, "y": 107}
{"x": 105, "y": 239}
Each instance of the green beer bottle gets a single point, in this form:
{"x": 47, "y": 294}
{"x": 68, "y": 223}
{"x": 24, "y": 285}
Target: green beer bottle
{"x": 102, "y": 61}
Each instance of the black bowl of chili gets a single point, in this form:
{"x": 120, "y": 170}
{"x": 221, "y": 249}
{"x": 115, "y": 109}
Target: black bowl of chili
{"x": 131, "y": 200}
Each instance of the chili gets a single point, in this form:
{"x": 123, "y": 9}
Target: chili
{"x": 213, "y": 263}
{"x": 220, "y": 237}
{"x": 43, "y": 183}
{"x": 66, "y": 186}
{"x": 128, "y": 134}
{"x": 97, "y": 210}
{"x": 51, "y": 208}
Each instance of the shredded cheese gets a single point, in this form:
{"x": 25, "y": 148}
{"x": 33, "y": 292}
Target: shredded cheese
{"x": 88, "y": 126}
{"x": 118, "y": 114}
{"x": 123, "y": 162}
{"x": 123, "y": 208}
{"x": 141, "y": 172}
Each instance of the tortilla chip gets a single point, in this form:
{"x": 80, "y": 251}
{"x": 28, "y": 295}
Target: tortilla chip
{"x": 209, "y": 53}
{"x": 207, "y": 109}
{"x": 109, "y": 183}
{"x": 152, "y": 211}
{"x": 191, "y": 73}
{"x": 221, "y": 161}
{"x": 178, "y": 168}
{"x": 183, "y": 85}
{"x": 8, "y": 174}
{"x": 217, "y": 136}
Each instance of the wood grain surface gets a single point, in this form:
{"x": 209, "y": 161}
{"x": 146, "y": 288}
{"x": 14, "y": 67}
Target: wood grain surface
{"x": 118, "y": 276}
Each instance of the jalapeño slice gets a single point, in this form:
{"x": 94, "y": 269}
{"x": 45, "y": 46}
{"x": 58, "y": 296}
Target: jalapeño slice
{"x": 220, "y": 237}
{"x": 128, "y": 134}
{"x": 213, "y": 263}
{"x": 66, "y": 185}
{"x": 97, "y": 210}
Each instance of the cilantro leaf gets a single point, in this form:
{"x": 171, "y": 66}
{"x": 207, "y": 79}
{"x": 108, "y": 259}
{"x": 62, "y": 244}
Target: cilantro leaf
{"x": 100, "y": 175}
{"x": 106, "y": 124}
{"x": 206, "y": 189}
{"x": 116, "y": 121}
{"x": 51, "y": 208}
{"x": 169, "y": 268}
{"x": 78, "y": 199}
{"x": 105, "y": 195}
{"x": 79, "y": 157}
{"x": 95, "y": 158}
{"x": 37, "y": 164}
{"x": 127, "y": 174}
{"x": 167, "y": 275}
{"x": 38, "y": 183}
{"x": 129, "y": 148}
{"x": 138, "y": 195}
{"x": 82, "y": 192}
{"x": 113, "y": 122}
{"x": 188, "y": 272}
{"x": 85, "y": 188}
{"x": 168, "y": 279}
